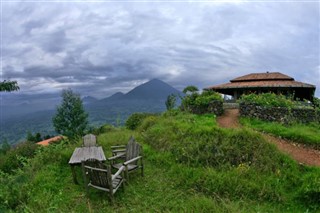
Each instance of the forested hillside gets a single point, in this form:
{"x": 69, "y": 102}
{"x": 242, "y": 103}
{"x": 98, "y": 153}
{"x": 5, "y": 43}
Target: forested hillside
{"x": 114, "y": 110}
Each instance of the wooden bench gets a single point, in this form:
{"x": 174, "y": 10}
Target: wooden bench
{"x": 84, "y": 153}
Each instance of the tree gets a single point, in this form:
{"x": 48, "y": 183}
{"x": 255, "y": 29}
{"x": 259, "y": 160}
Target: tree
{"x": 71, "y": 119}
{"x": 8, "y": 86}
{"x": 5, "y": 147}
{"x": 171, "y": 101}
{"x": 30, "y": 137}
{"x": 189, "y": 99}
{"x": 191, "y": 89}
{"x": 37, "y": 137}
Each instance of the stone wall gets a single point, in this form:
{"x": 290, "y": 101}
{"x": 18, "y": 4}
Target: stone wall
{"x": 280, "y": 114}
{"x": 215, "y": 107}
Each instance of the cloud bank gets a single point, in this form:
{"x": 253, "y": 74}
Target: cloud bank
{"x": 99, "y": 48}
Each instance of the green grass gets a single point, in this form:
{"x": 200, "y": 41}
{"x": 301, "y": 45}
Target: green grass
{"x": 181, "y": 175}
{"x": 302, "y": 133}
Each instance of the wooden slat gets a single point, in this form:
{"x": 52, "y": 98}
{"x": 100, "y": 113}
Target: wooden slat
{"x": 85, "y": 153}
{"x": 89, "y": 140}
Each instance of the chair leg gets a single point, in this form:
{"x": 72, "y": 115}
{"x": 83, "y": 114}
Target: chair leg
{"x": 142, "y": 168}
{"x": 111, "y": 197}
{"x": 87, "y": 190}
{"x": 127, "y": 174}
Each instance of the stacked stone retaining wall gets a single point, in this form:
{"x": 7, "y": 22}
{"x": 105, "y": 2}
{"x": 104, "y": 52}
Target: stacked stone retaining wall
{"x": 215, "y": 107}
{"x": 280, "y": 114}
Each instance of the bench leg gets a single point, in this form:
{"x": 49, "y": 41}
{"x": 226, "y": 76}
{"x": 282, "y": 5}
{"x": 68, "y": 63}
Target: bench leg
{"x": 74, "y": 176}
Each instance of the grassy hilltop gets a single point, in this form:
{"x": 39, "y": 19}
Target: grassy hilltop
{"x": 191, "y": 165}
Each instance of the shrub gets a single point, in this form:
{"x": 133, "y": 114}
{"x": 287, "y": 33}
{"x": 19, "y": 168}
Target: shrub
{"x": 12, "y": 159}
{"x": 199, "y": 103}
{"x": 147, "y": 123}
{"x": 268, "y": 99}
{"x": 206, "y": 98}
{"x": 316, "y": 102}
{"x": 100, "y": 130}
{"x": 136, "y": 119}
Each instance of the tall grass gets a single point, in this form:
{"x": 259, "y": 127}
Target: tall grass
{"x": 302, "y": 133}
{"x": 190, "y": 166}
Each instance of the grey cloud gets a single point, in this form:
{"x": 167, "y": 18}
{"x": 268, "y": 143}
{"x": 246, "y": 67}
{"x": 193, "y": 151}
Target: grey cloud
{"x": 109, "y": 46}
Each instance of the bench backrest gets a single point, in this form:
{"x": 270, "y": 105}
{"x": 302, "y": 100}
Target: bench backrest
{"x": 97, "y": 174}
{"x": 89, "y": 140}
{"x": 133, "y": 149}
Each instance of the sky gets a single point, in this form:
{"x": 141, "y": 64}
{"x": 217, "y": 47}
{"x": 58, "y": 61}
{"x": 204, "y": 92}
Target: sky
{"x": 98, "y": 48}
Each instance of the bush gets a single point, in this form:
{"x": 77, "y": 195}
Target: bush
{"x": 147, "y": 123}
{"x": 100, "y": 130}
{"x": 316, "y": 102}
{"x": 136, "y": 119}
{"x": 267, "y": 99}
{"x": 199, "y": 103}
{"x": 12, "y": 159}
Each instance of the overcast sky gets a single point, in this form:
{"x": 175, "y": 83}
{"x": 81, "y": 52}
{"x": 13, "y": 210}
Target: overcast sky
{"x": 99, "y": 48}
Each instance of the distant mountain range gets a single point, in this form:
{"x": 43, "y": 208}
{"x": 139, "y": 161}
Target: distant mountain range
{"x": 147, "y": 97}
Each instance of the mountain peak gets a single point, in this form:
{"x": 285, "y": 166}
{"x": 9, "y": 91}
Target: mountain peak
{"x": 153, "y": 89}
{"x": 115, "y": 96}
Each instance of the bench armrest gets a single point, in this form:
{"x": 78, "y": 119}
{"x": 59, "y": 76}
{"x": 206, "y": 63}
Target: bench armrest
{"x": 116, "y": 156}
{"x": 119, "y": 146}
{"x": 118, "y": 172}
{"x": 132, "y": 160}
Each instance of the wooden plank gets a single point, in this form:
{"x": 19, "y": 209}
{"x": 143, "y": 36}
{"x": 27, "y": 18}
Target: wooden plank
{"x": 85, "y": 153}
{"x": 89, "y": 140}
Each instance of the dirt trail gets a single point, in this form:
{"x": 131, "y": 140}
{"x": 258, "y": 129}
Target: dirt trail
{"x": 230, "y": 119}
{"x": 304, "y": 155}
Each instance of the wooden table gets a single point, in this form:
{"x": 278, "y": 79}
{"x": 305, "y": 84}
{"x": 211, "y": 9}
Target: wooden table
{"x": 82, "y": 154}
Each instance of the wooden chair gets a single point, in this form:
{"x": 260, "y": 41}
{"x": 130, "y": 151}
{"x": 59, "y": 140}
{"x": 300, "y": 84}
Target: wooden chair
{"x": 89, "y": 140}
{"x": 131, "y": 158}
{"x": 99, "y": 176}
{"x": 119, "y": 150}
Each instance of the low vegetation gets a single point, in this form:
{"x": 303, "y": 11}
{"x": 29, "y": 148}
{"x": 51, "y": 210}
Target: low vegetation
{"x": 302, "y": 133}
{"x": 273, "y": 100}
{"x": 267, "y": 99}
{"x": 136, "y": 119}
{"x": 191, "y": 165}
{"x": 195, "y": 101}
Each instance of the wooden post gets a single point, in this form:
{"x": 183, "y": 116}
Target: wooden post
{"x": 127, "y": 174}
{"x": 74, "y": 176}
{"x": 109, "y": 176}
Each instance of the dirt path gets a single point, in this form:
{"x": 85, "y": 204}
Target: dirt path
{"x": 230, "y": 119}
{"x": 303, "y": 155}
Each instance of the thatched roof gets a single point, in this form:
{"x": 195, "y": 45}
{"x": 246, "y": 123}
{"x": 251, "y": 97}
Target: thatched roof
{"x": 263, "y": 80}
{"x": 268, "y": 76}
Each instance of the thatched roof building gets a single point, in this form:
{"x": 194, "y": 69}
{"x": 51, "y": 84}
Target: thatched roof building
{"x": 275, "y": 82}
